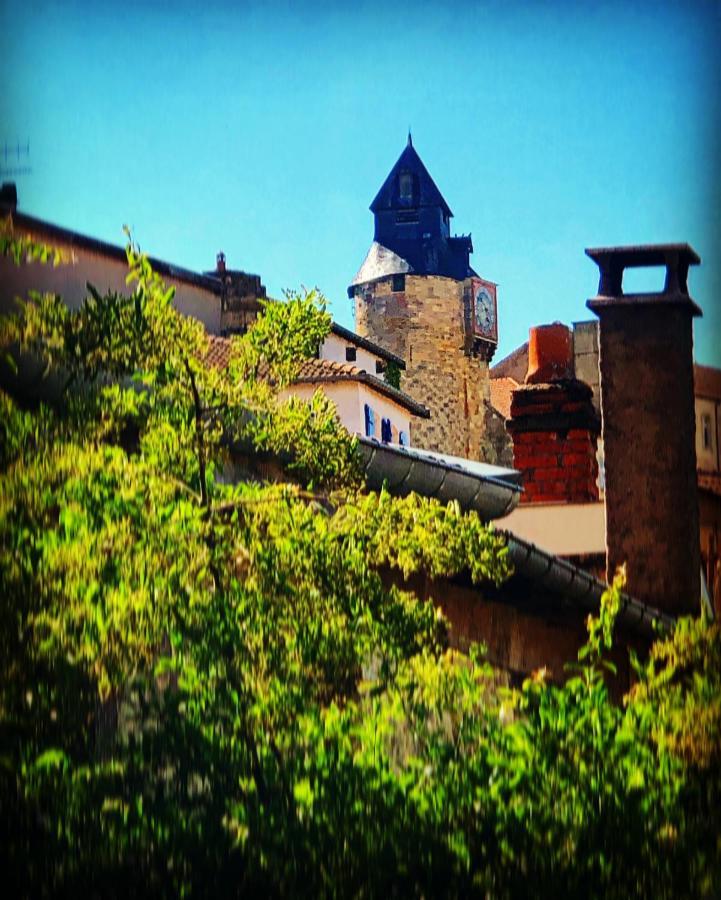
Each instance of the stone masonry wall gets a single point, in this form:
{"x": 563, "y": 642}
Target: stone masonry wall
{"x": 424, "y": 324}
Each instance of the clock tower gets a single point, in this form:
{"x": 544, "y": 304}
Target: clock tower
{"x": 417, "y": 295}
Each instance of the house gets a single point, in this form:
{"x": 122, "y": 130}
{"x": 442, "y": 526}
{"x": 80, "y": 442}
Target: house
{"x": 537, "y": 618}
{"x": 350, "y": 369}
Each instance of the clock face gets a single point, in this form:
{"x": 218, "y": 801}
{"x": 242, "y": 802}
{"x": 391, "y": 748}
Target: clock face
{"x": 485, "y": 311}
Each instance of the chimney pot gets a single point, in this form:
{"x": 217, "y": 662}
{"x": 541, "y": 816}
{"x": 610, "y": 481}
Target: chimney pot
{"x": 550, "y": 354}
{"x": 220, "y": 262}
{"x": 647, "y": 407}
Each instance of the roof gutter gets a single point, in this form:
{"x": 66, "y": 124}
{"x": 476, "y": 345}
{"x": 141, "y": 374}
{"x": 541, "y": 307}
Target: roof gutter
{"x": 402, "y": 471}
{"x": 580, "y": 587}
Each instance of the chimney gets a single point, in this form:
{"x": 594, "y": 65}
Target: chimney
{"x": 553, "y": 424}
{"x": 647, "y": 409}
{"x": 220, "y": 263}
{"x": 8, "y": 197}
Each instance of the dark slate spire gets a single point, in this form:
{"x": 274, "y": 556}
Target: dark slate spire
{"x": 412, "y": 221}
{"x": 417, "y": 190}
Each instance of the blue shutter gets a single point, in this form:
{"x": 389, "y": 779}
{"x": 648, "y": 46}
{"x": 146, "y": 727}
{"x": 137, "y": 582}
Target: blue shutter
{"x": 403, "y": 439}
{"x": 370, "y": 421}
{"x": 386, "y": 431}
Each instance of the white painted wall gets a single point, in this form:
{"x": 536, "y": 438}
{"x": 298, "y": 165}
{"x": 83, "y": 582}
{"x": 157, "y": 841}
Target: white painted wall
{"x": 334, "y": 347}
{"x": 564, "y": 529}
{"x": 350, "y": 398}
{"x": 104, "y": 273}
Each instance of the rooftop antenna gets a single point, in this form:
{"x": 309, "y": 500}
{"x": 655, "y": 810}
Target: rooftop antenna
{"x": 14, "y": 154}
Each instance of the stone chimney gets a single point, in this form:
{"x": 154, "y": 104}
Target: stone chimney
{"x": 553, "y": 424}
{"x": 647, "y": 408}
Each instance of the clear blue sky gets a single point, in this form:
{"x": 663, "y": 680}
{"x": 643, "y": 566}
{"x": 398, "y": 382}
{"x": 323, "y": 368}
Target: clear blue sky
{"x": 265, "y": 130}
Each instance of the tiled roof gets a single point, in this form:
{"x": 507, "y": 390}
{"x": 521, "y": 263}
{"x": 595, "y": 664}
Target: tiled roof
{"x": 314, "y": 371}
{"x": 501, "y": 391}
{"x": 711, "y": 482}
{"x": 366, "y": 344}
{"x": 23, "y": 222}
{"x": 707, "y": 382}
{"x": 515, "y": 365}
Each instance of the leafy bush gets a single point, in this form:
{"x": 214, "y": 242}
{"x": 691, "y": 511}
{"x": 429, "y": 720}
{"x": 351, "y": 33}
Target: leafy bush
{"x": 206, "y": 689}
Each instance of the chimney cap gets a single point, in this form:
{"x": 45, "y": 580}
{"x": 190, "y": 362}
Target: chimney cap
{"x": 644, "y": 255}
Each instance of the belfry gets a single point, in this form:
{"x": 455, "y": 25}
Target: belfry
{"x": 417, "y": 296}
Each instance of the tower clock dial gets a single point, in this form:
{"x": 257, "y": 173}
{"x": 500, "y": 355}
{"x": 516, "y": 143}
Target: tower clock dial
{"x": 484, "y": 309}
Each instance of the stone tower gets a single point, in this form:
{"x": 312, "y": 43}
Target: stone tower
{"x": 417, "y": 296}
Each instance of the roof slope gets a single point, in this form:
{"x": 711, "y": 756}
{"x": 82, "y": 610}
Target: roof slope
{"x": 501, "y": 394}
{"x": 318, "y": 371}
{"x": 707, "y": 382}
{"x": 366, "y": 344}
{"x": 428, "y": 193}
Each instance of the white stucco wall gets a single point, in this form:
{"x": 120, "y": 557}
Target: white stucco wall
{"x": 105, "y": 274}
{"x": 334, "y": 348}
{"x": 564, "y": 529}
{"x": 350, "y": 398}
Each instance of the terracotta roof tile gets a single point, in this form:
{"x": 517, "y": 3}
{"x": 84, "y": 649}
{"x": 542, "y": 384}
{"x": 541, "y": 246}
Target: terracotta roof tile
{"x": 321, "y": 370}
{"x": 501, "y": 393}
{"x": 707, "y": 382}
{"x": 710, "y": 481}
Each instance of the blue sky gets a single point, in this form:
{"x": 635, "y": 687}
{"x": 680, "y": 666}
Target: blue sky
{"x": 266, "y": 129}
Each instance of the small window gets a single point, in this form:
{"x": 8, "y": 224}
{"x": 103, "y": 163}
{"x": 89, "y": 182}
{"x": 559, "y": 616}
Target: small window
{"x": 405, "y": 187}
{"x": 370, "y": 422}
{"x": 380, "y": 367}
{"x": 403, "y": 438}
{"x": 350, "y": 354}
{"x": 399, "y": 283}
{"x": 386, "y": 431}
{"x": 407, "y": 217}
{"x": 706, "y": 432}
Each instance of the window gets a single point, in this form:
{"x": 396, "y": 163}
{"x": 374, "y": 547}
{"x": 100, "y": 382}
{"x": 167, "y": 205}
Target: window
{"x": 403, "y": 438}
{"x": 386, "y": 431}
{"x": 350, "y": 354}
{"x": 370, "y": 421}
{"x": 405, "y": 187}
{"x": 380, "y": 367}
{"x": 399, "y": 283}
{"x": 407, "y": 217}
{"x": 706, "y": 432}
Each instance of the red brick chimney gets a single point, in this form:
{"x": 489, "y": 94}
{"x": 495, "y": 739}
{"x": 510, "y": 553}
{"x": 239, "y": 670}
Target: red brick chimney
{"x": 647, "y": 407}
{"x": 553, "y": 424}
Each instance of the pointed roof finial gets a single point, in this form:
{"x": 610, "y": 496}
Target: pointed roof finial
{"x": 410, "y": 139}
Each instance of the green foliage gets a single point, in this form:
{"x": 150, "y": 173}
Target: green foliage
{"x": 207, "y": 688}
{"x": 23, "y": 248}
{"x": 392, "y": 375}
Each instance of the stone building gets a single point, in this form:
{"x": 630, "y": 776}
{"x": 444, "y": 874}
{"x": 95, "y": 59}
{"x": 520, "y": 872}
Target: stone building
{"x": 417, "y": 295}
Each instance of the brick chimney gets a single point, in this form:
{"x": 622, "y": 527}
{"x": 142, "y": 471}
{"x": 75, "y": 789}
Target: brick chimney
{"x": 647, "y": 408}
{"x": 553, "y": 424}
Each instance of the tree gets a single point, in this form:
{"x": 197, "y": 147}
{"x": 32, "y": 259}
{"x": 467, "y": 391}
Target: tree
{"x": 206, "y": 688}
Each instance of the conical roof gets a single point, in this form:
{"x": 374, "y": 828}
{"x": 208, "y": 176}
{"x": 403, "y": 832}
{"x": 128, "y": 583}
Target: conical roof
{"x": 428, "y": 193}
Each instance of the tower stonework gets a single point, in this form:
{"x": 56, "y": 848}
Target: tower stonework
{"x": 424, "y": 324}
{"x": 417, "y": 296}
